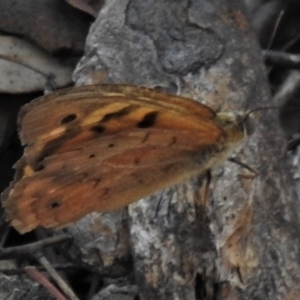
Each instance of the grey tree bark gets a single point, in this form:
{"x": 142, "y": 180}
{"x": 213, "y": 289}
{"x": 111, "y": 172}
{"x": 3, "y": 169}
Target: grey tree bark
{"x": 243, "y": 241}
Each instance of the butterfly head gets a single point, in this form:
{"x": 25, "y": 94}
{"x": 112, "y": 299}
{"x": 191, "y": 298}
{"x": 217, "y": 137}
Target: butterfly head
{"x": 237, "y": 125}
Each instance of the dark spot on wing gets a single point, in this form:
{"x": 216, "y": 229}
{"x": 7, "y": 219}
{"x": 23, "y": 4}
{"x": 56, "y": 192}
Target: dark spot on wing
{"x": 148, "y": 120}
{"x": 55, "y": 204}
{"x": 173, "y": 141}
{"x": 140, "y": 180}
{"x": 97, "y": 129}
{"x": 40, "y": 165}
{"x": 92, "y": 155}
{"x": 115, "y": 115}
{"x": 68, "y": 119}
{"x": 105, "y": 192}
{"x": 111, "y": 145}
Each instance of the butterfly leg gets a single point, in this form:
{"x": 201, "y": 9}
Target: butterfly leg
{"x": 158, "y": 206}
{"x": 293, "y": 143}
{"x": 243, "y": 165}
{"x": 206, "y": 187}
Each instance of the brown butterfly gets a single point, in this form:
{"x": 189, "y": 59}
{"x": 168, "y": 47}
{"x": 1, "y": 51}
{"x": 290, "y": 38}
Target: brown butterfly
{"x": 102, "y": 147}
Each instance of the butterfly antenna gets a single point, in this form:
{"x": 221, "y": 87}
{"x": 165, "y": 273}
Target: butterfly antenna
{"x": 246, "y": 116}
{"x": 258, "y": 109}
{"x": 158, "y": 206}
{"x": 275, "y": 29}
{"x": 207, "y": 184}
{"x": 243, "y": 165}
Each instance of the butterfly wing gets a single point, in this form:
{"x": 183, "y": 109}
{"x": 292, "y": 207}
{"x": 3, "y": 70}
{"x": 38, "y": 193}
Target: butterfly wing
{"x": 102, "y": 148}
{"x": 85, "y": 113}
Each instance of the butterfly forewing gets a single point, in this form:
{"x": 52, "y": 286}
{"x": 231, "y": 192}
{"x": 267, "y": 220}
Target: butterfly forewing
{"x": 61, "y": 121}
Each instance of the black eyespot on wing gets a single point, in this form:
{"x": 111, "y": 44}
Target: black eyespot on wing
{"x": 68, "y": 119}
{"x": 55, "y": 204}
{"x": 148, "y": 120}
{"x": 92, "y": 155}
{"x": 97, "y": 129}
{"x": 111, "y": 145}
